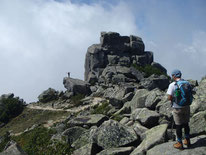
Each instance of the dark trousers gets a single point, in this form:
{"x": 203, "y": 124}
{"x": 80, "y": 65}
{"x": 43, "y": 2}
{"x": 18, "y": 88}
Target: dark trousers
{"x": 179, "y": 131}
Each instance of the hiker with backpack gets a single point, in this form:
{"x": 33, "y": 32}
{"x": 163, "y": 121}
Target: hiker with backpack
{"x": 180, "y": 94}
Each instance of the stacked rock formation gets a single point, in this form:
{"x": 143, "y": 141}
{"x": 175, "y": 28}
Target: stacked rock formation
{"x": 110, "y": 61}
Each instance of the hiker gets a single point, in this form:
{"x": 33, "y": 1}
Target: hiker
{"x": 181, "y": 107}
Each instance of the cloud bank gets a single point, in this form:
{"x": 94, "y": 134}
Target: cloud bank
{"x": 175, "y": 32}
{"x": 41, "y": 40}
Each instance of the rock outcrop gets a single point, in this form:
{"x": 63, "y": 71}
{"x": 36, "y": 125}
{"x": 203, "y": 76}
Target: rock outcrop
{"x": 154, "y": 136}
{"x": 13, "y": 149}
{"x": 198, "y": 148}
{"x": 48, "y": 95}
{"x": 110, "y": 61}
{"x": 199, "y": 104}
{"x": 76, "y": 86}
{"x": 113, "y": 134}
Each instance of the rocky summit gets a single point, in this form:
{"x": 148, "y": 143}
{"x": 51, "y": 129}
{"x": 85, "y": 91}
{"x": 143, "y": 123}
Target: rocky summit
{"x": 120, "y": 108}
{"x": 111, "y": 60}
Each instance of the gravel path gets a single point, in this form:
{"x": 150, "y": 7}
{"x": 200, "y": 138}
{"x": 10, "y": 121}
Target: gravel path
{"x": 96, "y": 100}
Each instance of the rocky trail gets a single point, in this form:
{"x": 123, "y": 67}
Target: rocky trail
{"x": 95, "y": 101}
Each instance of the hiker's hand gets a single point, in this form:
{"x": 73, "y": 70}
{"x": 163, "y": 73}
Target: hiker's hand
{"x": 170, "y": 97}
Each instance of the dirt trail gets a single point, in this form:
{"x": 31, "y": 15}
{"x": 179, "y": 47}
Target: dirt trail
{"x": 96, "y": 100}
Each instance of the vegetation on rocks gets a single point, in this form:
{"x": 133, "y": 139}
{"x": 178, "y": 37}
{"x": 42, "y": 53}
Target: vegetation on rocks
{"x": 117, "y": 117}
{"x": 3, "y": 141}
{"x": 101, "y": 109}
{"x": 30, "y": 117}
{"x": 38, "y": 141}
{"x": 148, "y": 70}
{"x": 76, "y": 100}
{"x": 10, "y": 108}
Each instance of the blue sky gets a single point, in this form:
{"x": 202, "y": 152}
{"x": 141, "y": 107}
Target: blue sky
{"x": 41, "y": 40}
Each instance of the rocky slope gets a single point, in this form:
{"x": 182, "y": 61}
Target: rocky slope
{"x": 131, "y": 114}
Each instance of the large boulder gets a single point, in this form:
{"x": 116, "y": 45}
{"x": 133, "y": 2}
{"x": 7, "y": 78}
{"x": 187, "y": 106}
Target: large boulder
{"x": 89, "y": 149}
{"x": 76, "y": 86}
{"x": 84, "y": 138}
{"x": 48, "y": 95}
{"x": 90, "y": 120}
{"x": 153, "y": 99}
{"x": 113, "y": 40}
{"x": 113, "y": 134}
{"x": 146, "y": 117}
{"x": 137, "y": 45}
{"x": 120, "y": 73}
{"x": 198, "y": 123}
{"x": 155, "y": 81}
{"x": 159, "y": 66}
{"x": 117, "y": 151}
{"x": 119, "y": 95}
{"x": 144, "y": 59}
{"x": 164, "y": 107}
{"x": 154, "y": 136}
{"x": 72, "y": 134}
{"x": 13, "y": 149}
{"x": 139, "y": 129}
{"x": 199, "y": 103}
{"x": 138, "y": 101}
{"x": 198, "y": 148}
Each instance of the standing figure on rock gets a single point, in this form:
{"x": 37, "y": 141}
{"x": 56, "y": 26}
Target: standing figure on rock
{"x": 68, "y": 74}
{"x": 180, "y": 95}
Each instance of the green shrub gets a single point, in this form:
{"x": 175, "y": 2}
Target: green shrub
{"x": 4, "y": 140}
{"x": 148, "y": 70}
{"x": 76, "y": 100}
{"x": 37, "y": 142}
{"x": 29, "y": 117}
{"x": 117, "y": 117}
{"x": 101, "y": 109}
{"x": 10, "y": 108}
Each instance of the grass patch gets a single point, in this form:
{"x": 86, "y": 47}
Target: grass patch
{"x": 29, "y": 117}
{"x": 37, "y": 142}
{"x": 148, "y": 70}
{"x": 4, "y": 140}
{"x": 76, "y": 100}
{"x": 101, "y": 109}
{"x": 117, "y": 117}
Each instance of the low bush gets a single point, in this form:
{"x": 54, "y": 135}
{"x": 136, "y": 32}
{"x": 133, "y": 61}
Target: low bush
{"x": 10, "y": 108}
{"x": 117, "y": 117}
{"x": 38, "y": 141}
{"x": 3, "y": 141}
{"x": 101, "y": 109}
{"x": 148, "y": 70}
{"x": 76, "y": 100}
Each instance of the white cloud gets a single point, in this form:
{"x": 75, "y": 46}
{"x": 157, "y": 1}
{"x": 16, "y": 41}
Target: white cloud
{"x": 41, "y": 40}
{"x": 175, "y": 32}
{"x": 195, "y": 55}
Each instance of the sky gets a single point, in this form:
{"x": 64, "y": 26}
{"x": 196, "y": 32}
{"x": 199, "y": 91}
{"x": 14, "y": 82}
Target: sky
{"x": 42, "y": 40}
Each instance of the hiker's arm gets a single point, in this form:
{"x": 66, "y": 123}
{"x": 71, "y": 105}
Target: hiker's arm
{"x": 170, "y": 97}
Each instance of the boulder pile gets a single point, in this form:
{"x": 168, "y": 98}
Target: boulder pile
{"x": 111, "y": 61}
